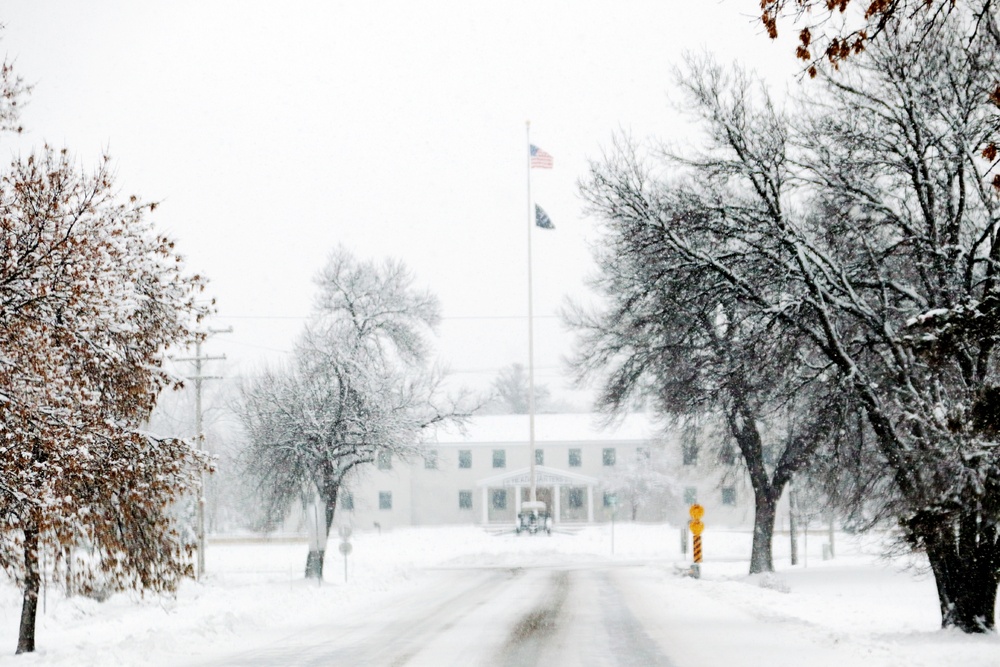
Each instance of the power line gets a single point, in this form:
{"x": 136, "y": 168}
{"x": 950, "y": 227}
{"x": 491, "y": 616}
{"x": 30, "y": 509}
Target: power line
{"x": 444, "y": 317}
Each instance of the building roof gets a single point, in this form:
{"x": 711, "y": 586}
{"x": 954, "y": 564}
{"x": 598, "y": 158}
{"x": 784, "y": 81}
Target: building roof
{"x": 494, "y": 429}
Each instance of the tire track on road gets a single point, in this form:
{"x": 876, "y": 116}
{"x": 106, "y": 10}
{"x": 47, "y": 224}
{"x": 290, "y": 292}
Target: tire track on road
{"x": 630, "y": 642}
{"x": 393, "y": 640}
{"x": 530, "y": 635}
{"x": 584, "y": 619}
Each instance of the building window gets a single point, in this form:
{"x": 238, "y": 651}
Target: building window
{"x": 575, "y": 497}
{"x": 384, "y": 461}
{"x": 608, "y": 456}
{"x": 539, "y": 457}
{"x": 575, "y": 459}
{"x": 690, "y": 495}
{"x": 610, "y": 499}
{"x": 465, "y": 458}
{"x": 728, "y": 495}
{"x": 690, "y": 453}
{"x": 347, "y": 500}
{"x": 727, "y": 456}
{"x": 465, "y": 500}
{"x": 385, "y": 500}
{"x": 431, "y": 459}
{"x": 499, "y": 458}
{"x": 499, "y": 499}
{"x": 642, "y": 453}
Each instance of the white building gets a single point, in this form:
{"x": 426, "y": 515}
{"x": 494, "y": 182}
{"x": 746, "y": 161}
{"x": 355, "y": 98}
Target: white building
{"x": 480, "y": 475}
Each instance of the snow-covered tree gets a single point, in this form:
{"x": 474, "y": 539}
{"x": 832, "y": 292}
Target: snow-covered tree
{"x": 834, "y": 30}
{"x": 358, "y": 387}
{"x": 511, "y": 392}
{"x": 671, "y": 331}
{"x": 91, "y": 297}
{"x": 877, "y": 242}
{"x": 905, "y": 193}
{"x": 175, "y": 415}
{"x": 831, "y": 32}
{"x": 641, "y": 480}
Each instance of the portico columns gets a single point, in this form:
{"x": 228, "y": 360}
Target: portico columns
{"x": 486, "y": 506}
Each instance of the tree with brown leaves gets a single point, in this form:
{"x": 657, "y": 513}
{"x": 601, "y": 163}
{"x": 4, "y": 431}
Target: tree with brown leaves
{"x": 91, "y": 297}
{"x": 834, "y": 30}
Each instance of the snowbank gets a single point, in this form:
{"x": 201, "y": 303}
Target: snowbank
{"x": 887, "y": 610}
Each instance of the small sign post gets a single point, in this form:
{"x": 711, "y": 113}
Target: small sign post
{"x": 696, "y": 526}
{"x": 345, "y": 546}
{"x": 613, "y": 501}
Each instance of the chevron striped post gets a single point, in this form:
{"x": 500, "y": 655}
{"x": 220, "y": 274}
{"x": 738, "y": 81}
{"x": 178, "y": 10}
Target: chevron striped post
{"x": 696, "y": 526}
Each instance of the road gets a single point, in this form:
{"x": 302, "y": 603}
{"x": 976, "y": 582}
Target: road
{"x": 568, "y": 615}
{"x": 576, "y": 614}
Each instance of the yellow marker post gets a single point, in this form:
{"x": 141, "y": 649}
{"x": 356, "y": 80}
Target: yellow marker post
{"x": 696, "y": 526}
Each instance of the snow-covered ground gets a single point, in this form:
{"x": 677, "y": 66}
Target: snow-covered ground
{"x": 885, "y": 612}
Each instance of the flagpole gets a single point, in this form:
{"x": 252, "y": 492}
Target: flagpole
{"x": 531, "y": 330}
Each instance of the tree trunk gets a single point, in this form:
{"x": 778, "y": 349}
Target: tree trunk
{"x": 793, "y": 526}
{"x": 32, "y": 580}
{"x": 330, "y": 500}
{"x": 317, "y": 550}
{"x": 766, "y": 490}
{"x": 763, "y": 531}
{"x": 314, "y": 564}
{"x": 317, "y": 540}
{"x": 964, "y": 560}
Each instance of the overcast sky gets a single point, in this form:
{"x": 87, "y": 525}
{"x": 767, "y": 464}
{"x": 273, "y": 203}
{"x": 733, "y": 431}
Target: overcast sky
{"x": 272, "y": 132}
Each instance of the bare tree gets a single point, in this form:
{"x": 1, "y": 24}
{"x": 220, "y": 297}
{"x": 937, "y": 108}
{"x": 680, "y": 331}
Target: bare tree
{"x": 358, "y": 388}
{"x": 886, "y": 251}
{"x": 832, "y": 31}
{"x": 674, "y": 330}
{"x": 642, "y": 480}
{"x": 917, "y": 260}
{"x": 510, "y": 392}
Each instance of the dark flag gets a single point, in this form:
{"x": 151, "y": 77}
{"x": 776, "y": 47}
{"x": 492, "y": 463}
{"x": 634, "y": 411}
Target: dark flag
{"x": 542, "y": 218}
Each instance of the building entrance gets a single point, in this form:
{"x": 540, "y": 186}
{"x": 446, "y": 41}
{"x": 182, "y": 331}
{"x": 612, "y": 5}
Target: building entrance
{"x": 542, "y": 493}
{"x": 552, "y": 488}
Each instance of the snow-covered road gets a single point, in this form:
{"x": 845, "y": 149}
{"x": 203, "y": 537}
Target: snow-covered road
{"x": 459, "y": 595}
{"x": 582, "y": 614}
{"x": 486, "y": 616}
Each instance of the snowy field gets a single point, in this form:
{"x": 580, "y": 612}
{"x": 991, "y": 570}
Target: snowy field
{"x": 878, "y": 612}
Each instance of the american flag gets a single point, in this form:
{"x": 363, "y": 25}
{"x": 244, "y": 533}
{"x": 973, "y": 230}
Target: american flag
{"x": 540, "y": 159}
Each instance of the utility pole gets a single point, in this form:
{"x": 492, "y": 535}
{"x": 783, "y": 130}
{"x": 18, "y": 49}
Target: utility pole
{"x": 198, "y": 379}
{"x": 793, "y": 509}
